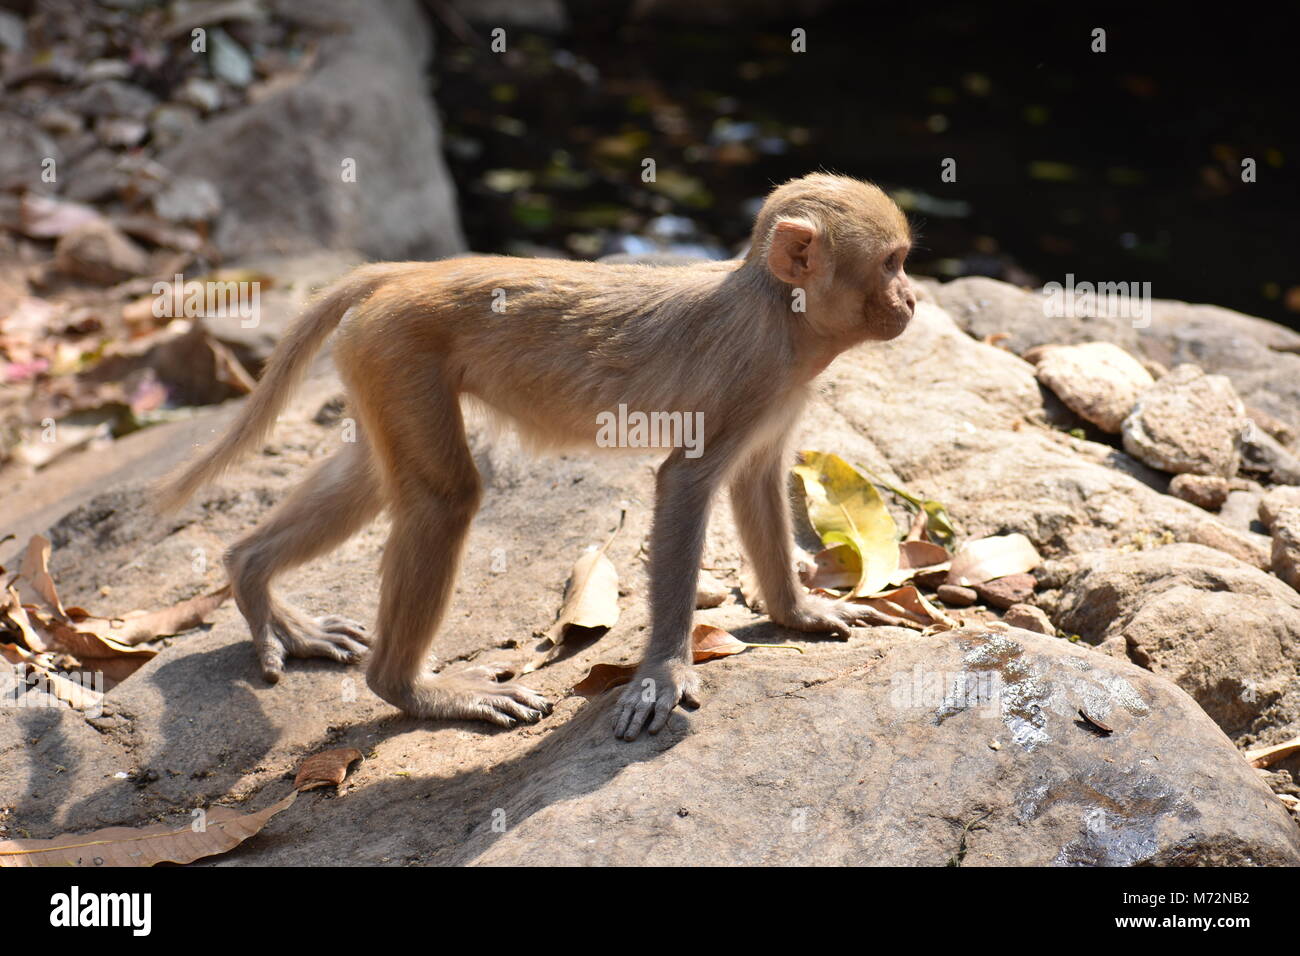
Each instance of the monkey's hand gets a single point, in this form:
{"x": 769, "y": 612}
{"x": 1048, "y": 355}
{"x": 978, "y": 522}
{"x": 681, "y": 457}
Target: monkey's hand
{"x": 815, "y": 613}
{"x": 656, "y": 689}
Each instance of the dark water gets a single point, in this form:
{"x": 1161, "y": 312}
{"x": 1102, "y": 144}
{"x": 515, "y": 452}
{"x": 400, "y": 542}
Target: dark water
{"x": 1115, "y": 166}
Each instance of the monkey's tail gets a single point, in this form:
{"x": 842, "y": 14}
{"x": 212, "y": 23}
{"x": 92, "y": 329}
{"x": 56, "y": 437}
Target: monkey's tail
{"x": 284, "y": 372}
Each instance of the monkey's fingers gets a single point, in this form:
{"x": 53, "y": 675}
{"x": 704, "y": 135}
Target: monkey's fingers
{"x": 664, "y": 706}
{"x": 625, "y": 713}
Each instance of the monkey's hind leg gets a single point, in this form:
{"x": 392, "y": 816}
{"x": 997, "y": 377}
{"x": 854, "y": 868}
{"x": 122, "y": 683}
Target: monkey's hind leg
{"x": 336, "y": 501}
{"x": 434, "y": 491}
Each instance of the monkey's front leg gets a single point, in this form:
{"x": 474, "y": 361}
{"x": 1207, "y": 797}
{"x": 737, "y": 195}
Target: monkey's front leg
{"x": 762, "y": 510}
{"x": 683, "y": 490}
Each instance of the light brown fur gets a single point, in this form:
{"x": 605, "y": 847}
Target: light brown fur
{"x": 574, "y": 340}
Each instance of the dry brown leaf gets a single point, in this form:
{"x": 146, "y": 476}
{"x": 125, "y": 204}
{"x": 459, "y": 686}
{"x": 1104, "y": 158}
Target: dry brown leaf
{"x": 223, "y": 830}
{"x": 837, "y": 568}
{"x": 592, "y": 597}
{"x": 916, "y": 555}
{"x": 994, "y": 557}
{"x": 1267, "y": 756}
{"x": 602, "y": 677}
{"x": 73, "y": 693}
{"x": 44, "y": 217}
{"x": 15, "y": 654}
{"x": 13, "y": 612}
{"x": 707, "y": 643}
{"x": 136, "y": 627}
{"x": 909, "y": 608}
{"x": 34, "y": 579}
{"x": 326, "y": 769}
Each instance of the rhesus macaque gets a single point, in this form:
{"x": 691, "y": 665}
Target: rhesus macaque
{"x": 739, "y": 341}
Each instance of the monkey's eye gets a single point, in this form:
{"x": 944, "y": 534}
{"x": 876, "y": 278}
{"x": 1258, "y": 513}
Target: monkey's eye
{"x": 895, "y": 261}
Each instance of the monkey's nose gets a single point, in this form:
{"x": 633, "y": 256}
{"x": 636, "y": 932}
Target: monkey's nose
{"x": 910, "y": 298}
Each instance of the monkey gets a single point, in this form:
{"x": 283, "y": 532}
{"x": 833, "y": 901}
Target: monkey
{"x": 548, "y": 345}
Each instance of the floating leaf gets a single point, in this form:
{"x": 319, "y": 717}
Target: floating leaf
{"x": 845, "y": 508}
{"x": 994, "y": 557}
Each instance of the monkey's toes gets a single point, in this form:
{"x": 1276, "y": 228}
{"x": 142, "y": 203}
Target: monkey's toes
{"x": 345, "y": 626}
{"x": 492, "y": 672}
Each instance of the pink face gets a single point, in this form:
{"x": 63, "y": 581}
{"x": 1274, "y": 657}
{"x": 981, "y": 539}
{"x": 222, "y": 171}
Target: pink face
{"x": 890, "y": 300}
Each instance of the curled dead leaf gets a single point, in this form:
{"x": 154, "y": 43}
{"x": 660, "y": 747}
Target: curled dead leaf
{"x": 221, "y": 829}
{"x": 994, "y": 557}
{"x": 707, "y": 643}
{"x": 1261, "y": 757}
{"x": 35, "y": 586}
{"x": 328, "y": 768}
{"x": 602, "y": 677}
{"x": 845, "y": 508}
{"x": 591, "y": 599}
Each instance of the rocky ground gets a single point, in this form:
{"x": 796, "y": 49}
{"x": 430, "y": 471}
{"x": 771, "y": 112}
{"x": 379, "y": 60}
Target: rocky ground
{"x": 1152, "y": 467}
{"x": 825, "y": 755}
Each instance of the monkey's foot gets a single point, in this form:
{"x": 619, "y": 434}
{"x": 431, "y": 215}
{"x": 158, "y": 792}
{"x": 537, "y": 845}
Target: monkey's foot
{"x": 475, "y": 693}
{"x": 837, "y": 617}
{"x": 653, "y": 694}
{"x": 293, "y": 634}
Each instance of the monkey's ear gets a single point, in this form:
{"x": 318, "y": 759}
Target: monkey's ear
{"x": 795, "y": 254}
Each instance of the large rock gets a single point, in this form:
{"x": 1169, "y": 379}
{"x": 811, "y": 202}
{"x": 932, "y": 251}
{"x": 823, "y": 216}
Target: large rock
{"x": 814, "y": 740}
{"x": 284, "y": 165}
{"x": 1264, "y": 456}
{"x": 98, "y": 252}
{"x": 1205, "y": 491}
{"x": 1261, "y": 358}
{"x": 1187, "y": 422}
{"x": 965, "y": 423}
{"x": 985, "y": 307}
{"x": 1275, "y": 500}
{"x": 1286, "y": 546}
{"x": 870, "y": 760}
{"x": 1097, "y": 381}
{"x": 1225, "y": 632}
{"x": 24, "y": 157}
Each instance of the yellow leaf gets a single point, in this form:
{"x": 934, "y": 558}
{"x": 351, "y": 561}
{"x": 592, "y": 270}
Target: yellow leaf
{"x": 845, "y": 508}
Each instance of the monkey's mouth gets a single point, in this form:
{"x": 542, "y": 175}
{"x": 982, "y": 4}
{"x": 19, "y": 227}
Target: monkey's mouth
{"x": 893, "y": 326}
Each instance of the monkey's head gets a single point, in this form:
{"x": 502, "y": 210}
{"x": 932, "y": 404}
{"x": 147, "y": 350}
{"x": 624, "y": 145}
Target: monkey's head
{"x": 844, "y": 243}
